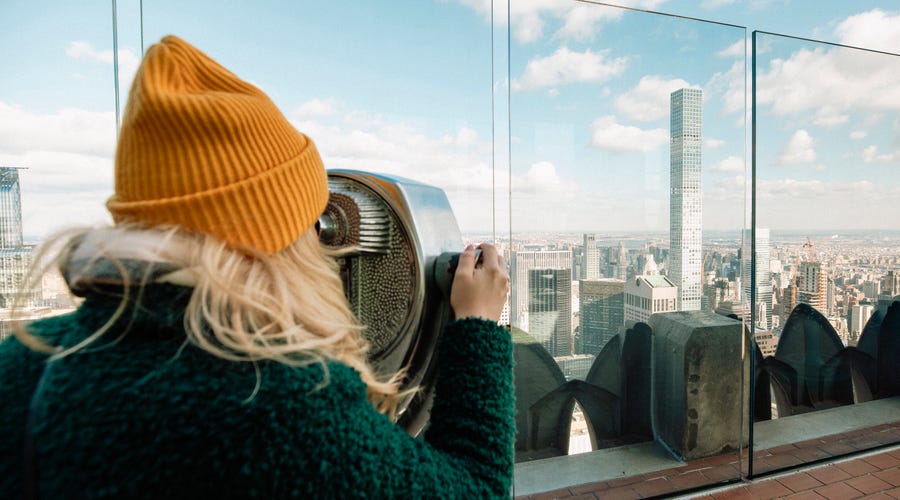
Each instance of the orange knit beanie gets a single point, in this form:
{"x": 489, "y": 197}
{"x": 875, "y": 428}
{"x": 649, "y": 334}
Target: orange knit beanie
{"x": 202, "y": 149}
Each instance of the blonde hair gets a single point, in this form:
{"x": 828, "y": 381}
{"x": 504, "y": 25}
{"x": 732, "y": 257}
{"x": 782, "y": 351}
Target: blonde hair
{"x": 287, "y": 307}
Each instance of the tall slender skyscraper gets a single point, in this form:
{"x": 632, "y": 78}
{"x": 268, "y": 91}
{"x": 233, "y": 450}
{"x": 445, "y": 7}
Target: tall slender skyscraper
{"x": 685, "y": 197}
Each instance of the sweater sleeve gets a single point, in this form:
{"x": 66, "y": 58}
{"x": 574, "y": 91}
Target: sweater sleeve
{"x": 467, "y": 452}
{"x": 473, "y": 417}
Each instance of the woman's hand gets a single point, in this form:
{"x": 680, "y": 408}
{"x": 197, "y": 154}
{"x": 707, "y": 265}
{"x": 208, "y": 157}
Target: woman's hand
{"x": 480, "y": 288}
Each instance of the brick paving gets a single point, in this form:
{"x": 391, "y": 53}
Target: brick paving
{"x": 779, "y": 473}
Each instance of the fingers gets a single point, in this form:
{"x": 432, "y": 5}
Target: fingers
{"x": 495, "y": 266}
{"x": 481, "y": 284}
{"x": 467, "y": 259}
{"x": 490, "y": 256}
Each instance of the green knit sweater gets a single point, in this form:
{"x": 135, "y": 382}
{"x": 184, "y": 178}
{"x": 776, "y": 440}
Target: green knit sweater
{"x": 139, "y": 418}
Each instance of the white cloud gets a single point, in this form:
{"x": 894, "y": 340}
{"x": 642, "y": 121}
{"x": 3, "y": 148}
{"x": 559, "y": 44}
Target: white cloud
{"x": 46, "y": 212}
{"x": 729, "y": 164}
{"x": 858, "y": 134}
{"x": 540, "y": 177}
{"x": 362, "y": 119}
{"x": 712, "y": 143}
{"x": 871, "y": 155}
{"x": 69, "y": 130}
{"x": 829, "y": 116}
{"x": 610, "y": 135}
{"x": 565, "y": 66}
{"x": 84, "y": 50}
{"x": 68, "y": 158}
{"x": 459, "y": 161}
{"x": 735, "y": 183}
{"x": 128, "y": 60}
{"x": 799, "y": 149}
{"x": 820, "y": 190}
{"x": 830, "y": 82}
{"x": 316, "y": 108}
{"x": 794, "y": 204}
{"x": 732, "y": 86}
{"x": 649, "y": 100}
{"x": 579, "y": 21}
{"x": 875, "y": 29}
{"x": 736, "y": 49}
{"x": 543, "y": 199}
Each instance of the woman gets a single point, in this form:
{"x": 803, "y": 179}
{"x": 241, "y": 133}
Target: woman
{"x": 214, "y": 354}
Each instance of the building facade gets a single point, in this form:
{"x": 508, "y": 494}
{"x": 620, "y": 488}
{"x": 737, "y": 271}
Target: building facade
{"x": 891, "y": 283}
{"x": 15, "y": 256}
{"x": 685, "y": 196}
{"x": 764, "y": 289}
{"x": 520, "y": 263}
{"x": 858, "y": 317}
{"x": 812, "y": 286}
{"x": 648, "y": 295}
{"x": 591, "y": 257}
{"x": 601, "y": 305}
{"x": 550, "y": 309}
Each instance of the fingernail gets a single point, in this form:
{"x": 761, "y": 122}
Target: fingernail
{"x": 469, "y": 247}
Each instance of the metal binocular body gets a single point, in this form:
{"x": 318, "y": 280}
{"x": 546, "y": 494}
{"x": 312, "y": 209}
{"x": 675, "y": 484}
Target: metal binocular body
{"x": 399, "y": 243}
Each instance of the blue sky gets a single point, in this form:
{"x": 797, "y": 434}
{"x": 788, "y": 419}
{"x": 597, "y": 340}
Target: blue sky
{"x": 415, "y": 88}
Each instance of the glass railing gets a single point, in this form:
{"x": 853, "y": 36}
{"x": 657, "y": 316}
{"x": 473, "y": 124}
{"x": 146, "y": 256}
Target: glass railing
{"x": 827, "y": 252}
{"x": 603, "y": 149}
{"x": 627, "y": 200}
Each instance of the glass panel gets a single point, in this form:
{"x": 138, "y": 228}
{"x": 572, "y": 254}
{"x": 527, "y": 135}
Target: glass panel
{"x": 826, "y": 161}
{"x": 57, "y": 135}
{"x": 410, "y": 99}
{"x": 627, "y": 206}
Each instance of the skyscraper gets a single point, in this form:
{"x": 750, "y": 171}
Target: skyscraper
{"x": 602, "y": 312}
{"x": 550, "y": 309}
{"x": 859, "y": 316}
{"x": 890, "y": 284}
{"x": 621, "y": 260}
{"x": 591, "y": 257}
{"x": 15, "y": 256}
{"x": 788, "y": 302}
{"x": 685, "y": 200}
{"x": 520, "y": 263}
{"x": 763, "y": 306}
{"x": 648, "y": 295}
{"x": 812, "y": 284}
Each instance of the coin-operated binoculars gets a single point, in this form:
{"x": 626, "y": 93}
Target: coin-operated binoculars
{"x": 401, "y": 244}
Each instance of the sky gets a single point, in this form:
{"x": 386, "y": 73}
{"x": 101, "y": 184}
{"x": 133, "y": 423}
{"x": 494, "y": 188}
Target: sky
{"x": 543, "y": 115}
